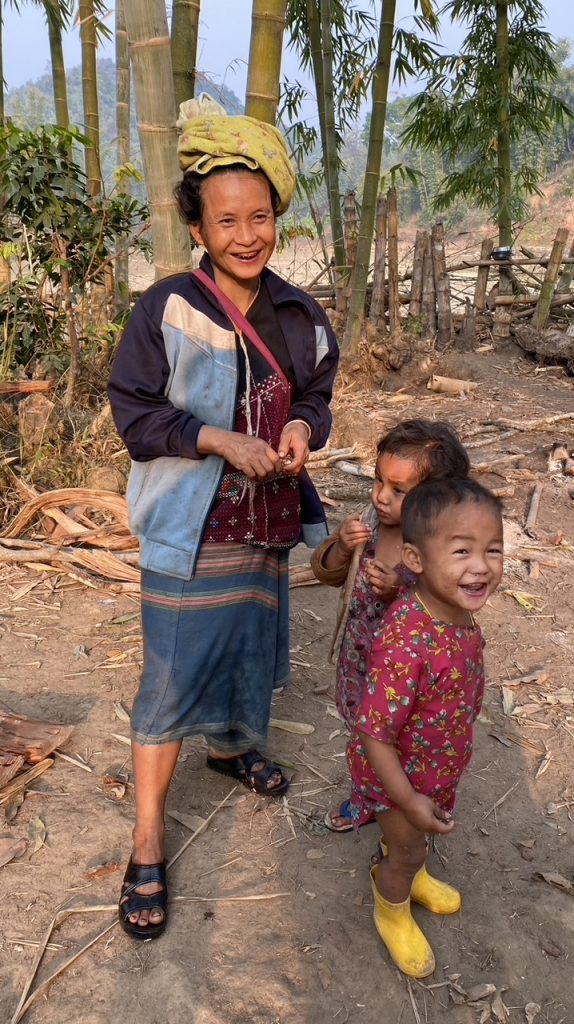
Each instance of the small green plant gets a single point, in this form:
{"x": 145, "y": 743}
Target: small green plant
{"x": 60, "y": 243}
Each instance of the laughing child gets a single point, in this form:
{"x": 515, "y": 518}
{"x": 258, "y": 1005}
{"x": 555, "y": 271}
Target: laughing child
{"x": 413, "y": 730}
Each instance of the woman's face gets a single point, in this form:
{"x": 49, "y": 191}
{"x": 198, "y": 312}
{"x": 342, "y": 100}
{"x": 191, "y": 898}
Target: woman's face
{"x": 237, "y": 226}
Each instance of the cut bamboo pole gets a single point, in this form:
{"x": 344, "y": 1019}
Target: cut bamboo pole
{"x": 393, "y": 229}
{"x": 377, "y": 308}
{"x": 442, "y": 285}
{"x": 482, "y": 276}
{"x": 416, "y": 299}
{"x": 428, "y": 308}
{"x": 542, "y": 311}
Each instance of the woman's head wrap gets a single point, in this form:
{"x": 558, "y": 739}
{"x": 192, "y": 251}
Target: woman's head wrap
{"x": 211, "y": 138}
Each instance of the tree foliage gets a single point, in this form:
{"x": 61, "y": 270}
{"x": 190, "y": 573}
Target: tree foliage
{"x": 52, "y": 228}
{"x": 457, "y": 113}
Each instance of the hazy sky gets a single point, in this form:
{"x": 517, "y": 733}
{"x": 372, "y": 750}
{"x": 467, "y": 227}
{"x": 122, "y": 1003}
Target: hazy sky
{"x": 224, "y": 40}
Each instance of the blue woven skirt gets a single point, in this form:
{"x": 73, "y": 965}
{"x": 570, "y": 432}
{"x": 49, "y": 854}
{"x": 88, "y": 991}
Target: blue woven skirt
{"x": 214, "y": 648}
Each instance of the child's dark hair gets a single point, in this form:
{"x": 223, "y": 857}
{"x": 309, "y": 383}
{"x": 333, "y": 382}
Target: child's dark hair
{"x": 432, "y": 445}
{"x": 425, "y": 503}
{"x": 188, "y": 191}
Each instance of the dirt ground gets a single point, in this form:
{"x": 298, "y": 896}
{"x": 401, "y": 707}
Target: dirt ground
{"x": 271, "y": 915}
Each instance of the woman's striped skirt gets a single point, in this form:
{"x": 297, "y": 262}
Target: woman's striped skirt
{"x": 214, "y": 648}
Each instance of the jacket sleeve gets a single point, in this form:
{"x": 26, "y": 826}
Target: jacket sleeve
{"x": 312, "y": 405}
{"x": 330, "y": 577}
{"x": 148, "y": 423}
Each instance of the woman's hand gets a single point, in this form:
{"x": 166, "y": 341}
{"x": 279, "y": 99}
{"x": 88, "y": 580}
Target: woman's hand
{"x": 422, "y": 813}
{"x": 250, "y": 455}
{"x": 385, "y": 582}
{"x": 294, "y": 447}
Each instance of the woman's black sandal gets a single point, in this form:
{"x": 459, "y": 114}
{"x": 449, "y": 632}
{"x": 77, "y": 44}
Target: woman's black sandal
{"x": 132, "y": 902}
{"x": 241, "y": 768}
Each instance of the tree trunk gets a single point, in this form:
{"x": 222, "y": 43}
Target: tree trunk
{"x": 59, "y": 83}
{"x": 265, "y": 50}
{"x": 372, "y": 177}
{"x": 184, "y": 35}
{"x": 150, "y": 55}
{"x": 122, "y": 146}
{"x": 329, "y": 140}
{"x": 90, "y": 95}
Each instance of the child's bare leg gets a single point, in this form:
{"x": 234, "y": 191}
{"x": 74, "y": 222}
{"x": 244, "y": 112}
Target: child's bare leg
{"x": 406, "y": 855}
{"x": 391, "y": 881}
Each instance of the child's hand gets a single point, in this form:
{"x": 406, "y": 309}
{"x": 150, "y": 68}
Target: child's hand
{"x": 422, "y": 813}
{"x": 384, "y": 581}
{"x": 352, "y": 533}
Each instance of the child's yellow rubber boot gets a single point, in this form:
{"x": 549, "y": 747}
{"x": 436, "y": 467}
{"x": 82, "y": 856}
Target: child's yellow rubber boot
{"x": 402, "y": 936}
{"x": 436, "y": 896}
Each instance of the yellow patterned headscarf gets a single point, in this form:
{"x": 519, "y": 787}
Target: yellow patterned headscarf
{"x": 211, "y": 138}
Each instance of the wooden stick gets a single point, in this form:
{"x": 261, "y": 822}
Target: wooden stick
{"x": 482, "y": 276}
{"x": 533, "y": 510}
{"x": 546, "y": 292}
{"x": 201, "y": 828}
{"x": 25, "y": 1003}
{"x": 416, "y": 299}
{"x": 393, "y": 259}
{"x": 377, "y": 307}
{"x": 21, "y": 781}
{"x": 500, "y": 801}
{"x": 442, "y": 285}
{"x": 231, "y": 899}
{"x": 428, "y": 306}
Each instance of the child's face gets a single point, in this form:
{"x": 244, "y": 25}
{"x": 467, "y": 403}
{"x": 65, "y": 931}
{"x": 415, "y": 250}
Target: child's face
{"x": 394, "y": 478}
{"x": 461, "y": 563}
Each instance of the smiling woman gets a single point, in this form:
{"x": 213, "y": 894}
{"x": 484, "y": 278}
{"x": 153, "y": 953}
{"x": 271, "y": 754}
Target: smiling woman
{"x": 220, "y": 388}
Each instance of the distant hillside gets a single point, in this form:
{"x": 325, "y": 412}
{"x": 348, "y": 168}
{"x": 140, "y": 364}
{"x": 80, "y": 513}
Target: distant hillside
{"x": 32, "y": 105}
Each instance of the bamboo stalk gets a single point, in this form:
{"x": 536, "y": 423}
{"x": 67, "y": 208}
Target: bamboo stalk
{"x": 264, "y": 68}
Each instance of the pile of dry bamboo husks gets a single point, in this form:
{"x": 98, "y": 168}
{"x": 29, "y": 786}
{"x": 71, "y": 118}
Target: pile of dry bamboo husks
{"x": 25, "y": 746}
{"x": 66, "y": 537}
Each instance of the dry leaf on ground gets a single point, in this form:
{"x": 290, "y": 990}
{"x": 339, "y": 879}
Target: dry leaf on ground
{"x": 11, "y": 848}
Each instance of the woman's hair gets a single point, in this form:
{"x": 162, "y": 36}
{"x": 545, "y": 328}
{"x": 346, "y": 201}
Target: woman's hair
{"x": 432, "y": 445}
{"x": 425, "y": 503}
{"x": 188, "y": 191}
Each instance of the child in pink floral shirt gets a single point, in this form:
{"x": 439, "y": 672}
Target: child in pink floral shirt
{"x": 412, "y": 738}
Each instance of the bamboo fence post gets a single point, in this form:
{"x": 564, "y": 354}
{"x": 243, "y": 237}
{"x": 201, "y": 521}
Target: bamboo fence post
{"x": 565, "y": 279}
{"x": 416, "y": 302}
{"x": 377, "y": 308}
{"x": 542, "y": 310}
{"x": 350, "y": 234}
{"x": 442, "y": 284}
{"x": 428, "y": 308}
{"x": 482, "y": 276}
{"x": 393, "y": 258}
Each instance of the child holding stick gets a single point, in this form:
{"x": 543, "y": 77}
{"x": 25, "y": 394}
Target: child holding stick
{"x": 413, "y": 730}
{"x": 364, "y": 556}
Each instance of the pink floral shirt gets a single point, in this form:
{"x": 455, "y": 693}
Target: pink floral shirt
{"x": 424, "y": 691}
